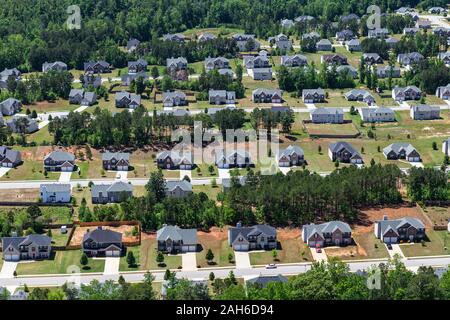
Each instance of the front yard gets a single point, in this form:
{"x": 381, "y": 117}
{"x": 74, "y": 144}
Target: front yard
{"x": 367, "y": 247}
{"x": 290, "y": 251}
{"x": 435, "y": 245}
{"x": 218, "y": 246}
{"x": 62, "y": 262}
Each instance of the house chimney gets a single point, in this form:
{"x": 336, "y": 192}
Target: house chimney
{"x": 385, "y": 217}
{"x": 239, "y": 224}
{"x": 14, "y": 234}
{"x": 99, "y": 228}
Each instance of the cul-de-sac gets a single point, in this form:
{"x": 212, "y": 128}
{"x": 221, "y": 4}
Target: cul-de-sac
{"x": 224, "y": 150}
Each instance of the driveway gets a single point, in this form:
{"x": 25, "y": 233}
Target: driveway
{"x": 416, "y": 164}
{"x": 322, "y": 256}
{"x": 3, "y": 171}
{"x": 189, "y": 261}
{"x": 42, "y": 124}
{"x": 81, "y": 109}
{"x": 285, "y": 170}
{"x": 396, "y": 250}
{"x": 310, "y": 106}
{"x": 242, "y": 259}
{"x": 8, "y": 269}
{"x": 184, "y": 173}
{"x": 224, "y": 173}
{"x": 65, "y": 176}
{"x": 121, "y": 175}
{"x": 111, "y": 265}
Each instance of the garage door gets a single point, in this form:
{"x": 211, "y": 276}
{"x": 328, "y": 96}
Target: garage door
{"x": 184, "y": 167}
{"x": 241, "y": 247}
{"x": 390, "y": 239}
{"x": 112, "y": 253}
{"x": 12, "y": 257}
{"x": 121, "y": 168}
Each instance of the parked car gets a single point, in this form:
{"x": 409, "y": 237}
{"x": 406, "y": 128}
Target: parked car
{"x": 389, "y": 246}
{"x": 271, "y": 266}
{"x": 318, "y": 250}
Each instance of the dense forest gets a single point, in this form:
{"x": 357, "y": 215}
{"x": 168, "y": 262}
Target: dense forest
{"x": 33, "y": 32}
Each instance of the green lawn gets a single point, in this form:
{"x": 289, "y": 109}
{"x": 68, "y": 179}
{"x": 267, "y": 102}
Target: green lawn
{"x": 59, "y": 264}
{"x": 220, "y": 249}
{"x": 438, "y": 215}
{"x": 58, "y": 238}
{"x": 30, "y": 170}
{"x": 331, "y": 129}
{"x": 292, "y": 250}
{"x": 46, "y": 106}
{"x": 145, "y": 255}
{"x": 434, "y": 245}
{"x": 210, "y": 191}
{"x": 40, "y": 137}
{"x": 368, "y": 247}
{"x": 56, "y": 215}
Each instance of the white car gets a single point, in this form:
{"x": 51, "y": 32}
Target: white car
{"x": 271, "y": 266}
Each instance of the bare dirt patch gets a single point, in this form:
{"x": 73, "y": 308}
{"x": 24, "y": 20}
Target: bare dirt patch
{"x": 27, "y": 195}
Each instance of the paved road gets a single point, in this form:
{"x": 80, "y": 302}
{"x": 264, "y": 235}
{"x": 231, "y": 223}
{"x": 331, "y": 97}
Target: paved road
{"x": 58, "y": 280}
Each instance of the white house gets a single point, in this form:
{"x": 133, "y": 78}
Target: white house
{"x": 55, "y": 192}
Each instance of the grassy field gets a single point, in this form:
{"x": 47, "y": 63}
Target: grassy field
{"x": 367, "y": 247}
{"x": 60, "y": 263}
{"x": 58, "y": 238}
{"x": 145, "y": 255}
{"x": 220, "y": 249}
{"x": 210, "y": 191}
{"x": 46, "y": 106}
{"x": 331, "y": 129}
{"x": 40, "y": 137}
{"x": 30, "y": 170}
{"x": 54, "y": 215}
{"x": 436, "y": 244}
{"x": 291, "y": 250}
{"x": 438, "y": 215}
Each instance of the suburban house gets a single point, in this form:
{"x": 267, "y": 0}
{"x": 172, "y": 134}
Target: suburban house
{"x": 54, "y": 66}
{"x": 446, "y": 146}
{"x": 398, "y": 230}
{"x": 233, "y": 158}
{"x": 407, "y": 59}
{"x": 345, "y": 35}
{"x": 281, "y": 42}
{"x": 423, "y": 24}
{"x": 254, "y": 62}
{"x": 177, "y": 68}
{"x": 410, "y": 31}
{"x": 10, "y": 106}
{"x": 287, "y": 23}
{"x": 391, "y": 42}
{"x": 441, "y": 32}
{"x": 81, "y": 97}
{"x": 332, "y": 233}
{"x": 372, "y": 58}
{"x": 9, "y": 158}
{"x": 59, "y": 161}
{"x": 111, "y": 193}
{"x": 128, "y": 78}
{"x": 324, "y": 45}
{"x": 344, "y": 152}
{"x": 102, "y": 242}
{"x": 221, "y": 97}
{"x": 262, "y": 281}
{"x": 349, "y": 18}
{"x": 173, "y": 239}
{"x": 263, "y": 95}
{"x": 312, "y": 35}
{"x": 124, "y": 99}
{"x": 33, "y": 246}
{"x": 178, "y": 189}
{"x": 296, "y": 60}
{"x": 313, "y": 95}
{"x": 177, "y": 113}
{"x": 444, "y": 56}
{"x": 175, "y": 159}
{"x": 137, "y": 66}
{"x": 346, "y": 69}
{"x": 443, "y": 92}
{"x": 437, "y": 10}
{"x": 132, "y": 45}
{"x": 206, "y": 36}
{"x": 22, "y": 124}
{"x": 97, "y": 67}
{"x": 55, "y": 192}
{"x": 291, "y": 156}
{"x": 216, "y": 63}
{"x": 377, "y": 114}
{"x": 174, "y": 98}
{"x": 7, "y": 75}
{"x": 425, "y": 112}
{"x": 385, "y": 71}
{"x": 405, "y": 151}
{"x": 119, "y": 161}
{"x": 406, "y": 93}
{"x": 327, "y": 115}
{"x": 246, "y": 42}
{"x": 177, "y": 37}
{"x": 257, "y": 237}
{"x": 90, "y": 79}
{"x": 353, "y": 45}
{"x": 212, "y": 111}
{"x": 378, "y": 33}
{"x": 261, "y": 74}
{"x": 305, "y": 19}
{"x": 334, "y": 58}
{"x": 359, "y": 95}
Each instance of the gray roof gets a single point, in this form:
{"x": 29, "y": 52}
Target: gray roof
{"x": 16, "y": 242}
{"x": 173, "y": 94}
{"x": 183, "y": 184}
{"x": 401, "y": 89}
{"x": 290, "y": 150}
{"x": 327, "y": 111}
{"x": 56, "y": 187}
{"x": 397, "y": 147}
{"x": 188, "y": 236}
{"x": 337, "y": 146}
{"x": 358, "y": 92}
{"x": 60, "y": 156}
{"x": 175, "y": 112}
{"x": 252, "y": 231}
{"x": 176, "y": 156}
{"x": 8, "y": 153}
{"x": 353, "y": 42}
{"x": 8, "y": 103}
{"x": 319, "y": 91}
{"x": 176, "y": 61}
{"x": 385, "y": 225}
{"x": 327, "y": 227}
{"x": 118, "y": 186}
{"x": 263, "y": 281}
{"x": 103, "y": 236}
{"x": 367, "y": 111}
{"x": 324, "y": 42}
{"x": 115, "y": 155}
{"x": 425, "y": 108}
{"x": 133, "y": 97}
{"x": 267, "y": 91}
{"x": 49, "y": 65}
